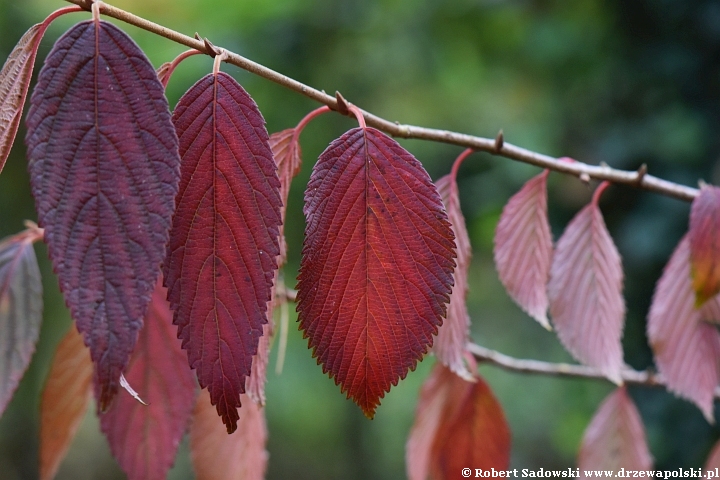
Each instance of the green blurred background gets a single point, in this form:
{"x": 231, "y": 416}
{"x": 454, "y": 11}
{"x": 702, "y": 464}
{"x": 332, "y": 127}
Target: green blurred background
{"x": 615, "y": 81}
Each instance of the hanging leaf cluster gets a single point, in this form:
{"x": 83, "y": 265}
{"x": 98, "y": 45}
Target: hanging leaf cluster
{"x": 165, "y": 231}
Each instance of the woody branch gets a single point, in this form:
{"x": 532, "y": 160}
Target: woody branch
{"x": 497, "y": 146}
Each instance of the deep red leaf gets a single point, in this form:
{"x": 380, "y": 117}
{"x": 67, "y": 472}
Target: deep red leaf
{"x": 585, "y": 292}
{"x": 217, "y": 456}
{"x": 21, "y": 305}
{"x": 687, "y": 350}
{"x": 143, "y": 438}
{"x": 377, "y": 264}
{"x": 104, "y": 168}
{"x": 64, "y": 402}
{"x": 454, "y": 333}
{"x": 615, "y": 438}
{"x": 523, "y": 248}
{"x": 458, "y": 424}
{"x": 223, "y": 249}
{"x": 704, "y": 237}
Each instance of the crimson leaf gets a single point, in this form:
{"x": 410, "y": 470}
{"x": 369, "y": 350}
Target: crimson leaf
{"x": 615, "y": 438}
{"x": 523, "y": 248}
{"x": 377, "y": 264}
{"x": 20, "y": 311}
{"x": 585, "y": 291}
{"x": 705, "y": 243}
{"x": 687, "y": 350}
{"x": 144, "y": 438}
{"x": 453, "y": 335}
{"x": 223, "y": 249}
{"x": 104, "y": 169}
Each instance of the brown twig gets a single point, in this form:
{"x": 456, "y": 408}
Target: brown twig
{"x": 578, "y": 169}
{"x": 629, "y": 376}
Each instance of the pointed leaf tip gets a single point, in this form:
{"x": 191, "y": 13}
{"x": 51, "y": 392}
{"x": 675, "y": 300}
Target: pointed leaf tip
{"x": 615, "y": 437}
{"x": 585, "y": 292}
{"x": 104, "y": 174}
{"x": 377, "y": 264}
{"x": 158, "y": 369}
{"x": 686, "y": 349}
{"x": 224, "y": 236}
{"x": 214, "y": 453}
{"x": 523, "y": 248}
{"x": 704, "y": 236}
{"x": 454, "y": 333}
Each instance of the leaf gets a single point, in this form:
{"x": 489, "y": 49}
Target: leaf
{"x": 104, "y": 170}
{"x": 14, "y": 83}
{"x": 224, "y": 238}
{"x": 705, "y": 244}
{"x": 144, "y": 437}
{"x": 457, "y": 424}
{"x": 217, "y": 456}
{"x": 523, "y": 248}
{"x": 585, "y": 292}
{"x": 713, "y": 460}
{"x": 615, "y": 438}
{"x": 377, "y": 264}
{"x": 687, "y": 350}
{"x": 21, "y": 305}
{"x": 286, "y": 151}
{"x": 65, "y": 400}
{"x": 454, "y": 334}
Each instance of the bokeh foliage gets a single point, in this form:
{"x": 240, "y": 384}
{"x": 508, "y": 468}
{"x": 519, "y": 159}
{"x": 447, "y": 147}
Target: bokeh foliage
{"x": 609, "y": 81}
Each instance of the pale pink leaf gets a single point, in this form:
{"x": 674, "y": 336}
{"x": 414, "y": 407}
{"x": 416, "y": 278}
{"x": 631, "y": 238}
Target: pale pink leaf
{"x": 454, "y": 333}
{"x": 713, "y": 460}
{"x": 615, "y": 438}
{"x": 585, "y": 291}
{"x": 219, "y": 456}
{"x": 523, "y": 248}
{"x": 687, "y": 350}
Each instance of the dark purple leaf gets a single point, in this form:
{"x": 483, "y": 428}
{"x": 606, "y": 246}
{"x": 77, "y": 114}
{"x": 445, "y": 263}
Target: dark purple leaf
{"x": 104, "y": 169}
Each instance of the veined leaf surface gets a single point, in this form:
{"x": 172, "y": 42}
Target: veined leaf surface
{"x": 687, "y": 350}
{"x": 104, "y": 169}
{"x": 615, "y": 437}
{"x": 21, "y": 305}
{"x": 457, "y": 423}
{"x": 377, "y": 264}
{"x": 65, "y": 400}
{"x": 14, "y": 83}
{"x": 222, "y": 254}
{"x": 286, "y": 151}
{"x": 704, "y": 237}
{"x": 217, "y": 456}
{"x": 523, "y": 248}
{"x": 454, "y": 333}
{"x": 585, "y": 291}
{"x": 145, "y": 438}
